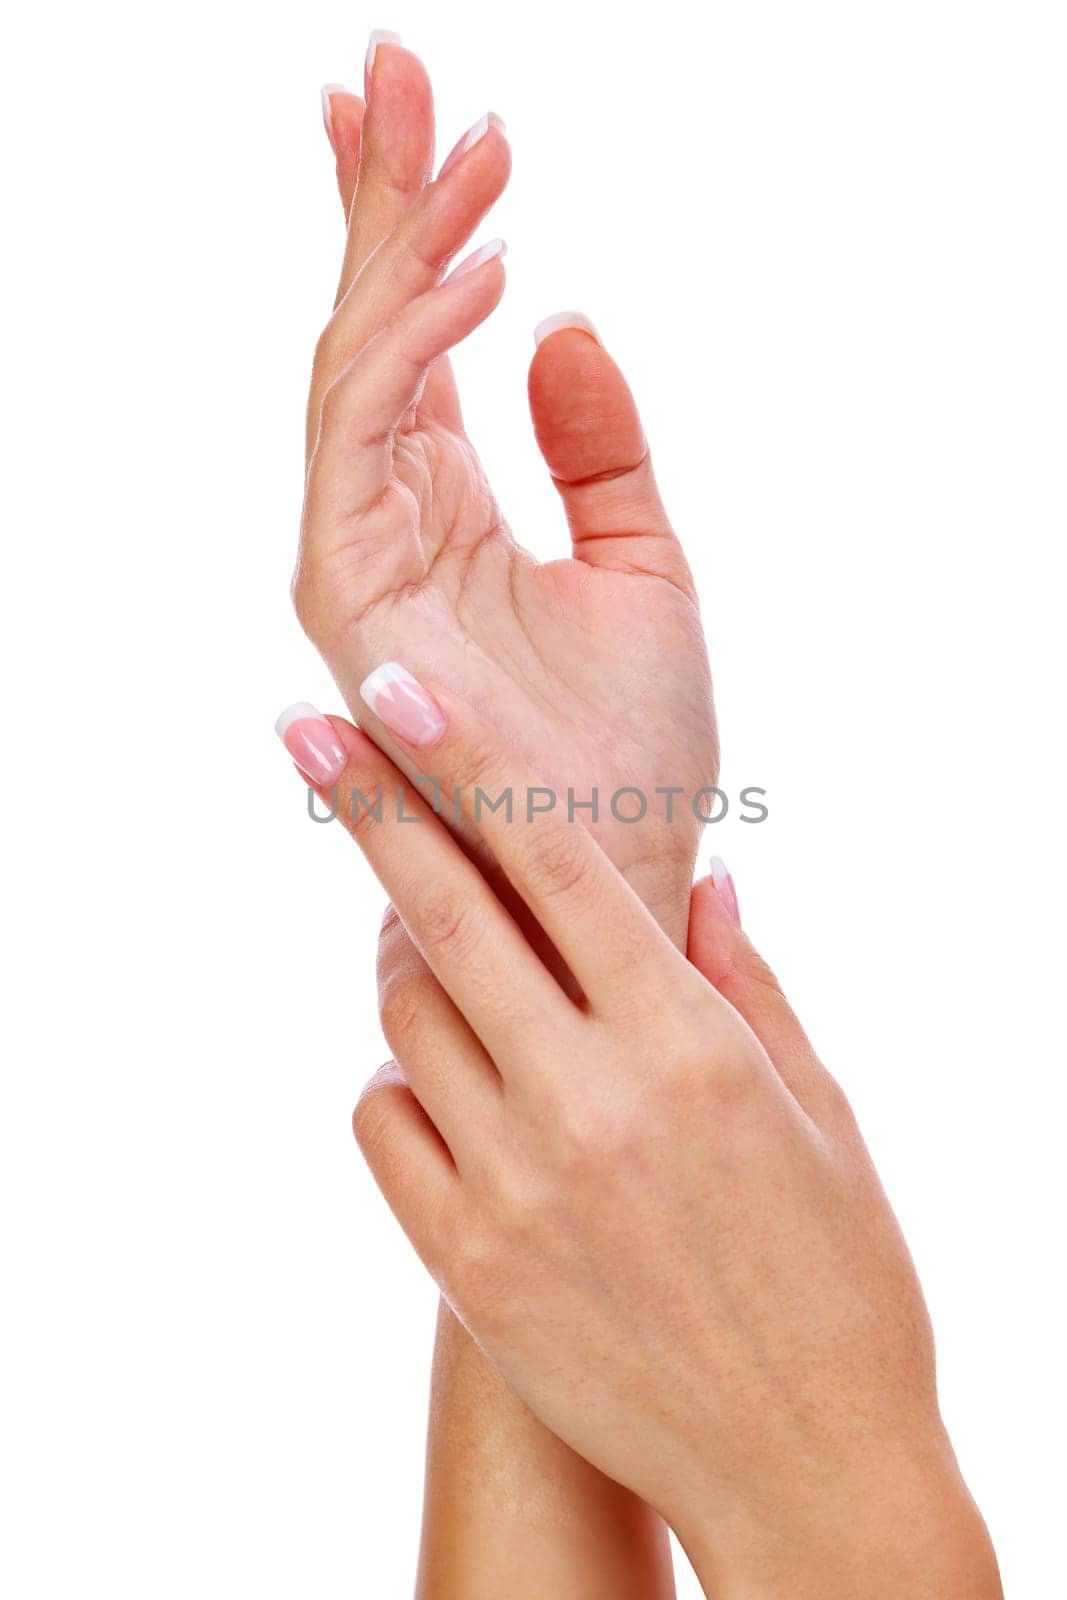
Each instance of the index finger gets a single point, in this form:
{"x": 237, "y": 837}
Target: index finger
{"x": 587, "y": 909}
{"x": 473, "y": 946}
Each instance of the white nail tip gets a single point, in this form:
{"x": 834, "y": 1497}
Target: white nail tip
{"x": 327, "y": 110}
{"x": 389, "y": 672}
{"x": 478, "y": 258}
{"x": 481, "y": 128}
{"x": 479, "y": 131}
{"x": 565, "y": 319}
{"x": 719, "y": 872}
{"x": 379, "y": 36}
{"x": 298, "y": 712}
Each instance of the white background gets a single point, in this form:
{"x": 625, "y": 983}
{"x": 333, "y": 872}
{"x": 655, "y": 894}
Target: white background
{"x": 827, "y": 243}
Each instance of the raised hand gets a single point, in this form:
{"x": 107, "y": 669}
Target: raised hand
{"x": 593, "y": 667}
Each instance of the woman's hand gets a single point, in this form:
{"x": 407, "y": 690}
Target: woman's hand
{"x": 594, "y": 668}
{"x": 537, "y": 1508}
{"x": 651, "y": 1206}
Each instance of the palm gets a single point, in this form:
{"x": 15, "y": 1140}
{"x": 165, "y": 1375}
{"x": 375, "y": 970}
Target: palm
{"x": 597, "y": 675}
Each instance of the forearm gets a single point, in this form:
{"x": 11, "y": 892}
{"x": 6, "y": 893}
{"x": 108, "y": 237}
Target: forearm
{"x": 511, "y": 1510}
{"x": 508, "y": 1508}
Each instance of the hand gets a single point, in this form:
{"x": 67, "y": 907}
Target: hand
{"x": 577, "y": 1531}
{"x": 652, "y": 1207}
{"x": 594, "y": 667}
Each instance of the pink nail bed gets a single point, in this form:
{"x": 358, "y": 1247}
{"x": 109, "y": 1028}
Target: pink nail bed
{"x": 402, "y": 704}
{"x": 378, "y": 36}
{"x": 724, "y": 883}
{"x": 312, "y": 743}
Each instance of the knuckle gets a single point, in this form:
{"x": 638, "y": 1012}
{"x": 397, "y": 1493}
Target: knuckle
{"x": 477, "y": 765}
{"x": 483, "y": 1278}
{"x": 448, "y": 924}
{"x": 371, "y": 1115}
{"x": 835, "y": 1109}
{"x": 685, "y": 1043}
{"x": 392, "y": 944}
{"x": 395, "y": 180}
{"x": 559, "y": 865}
{"x": 594, "y": 1136}
{"x": 363, "y": 1119}
{"x": 730, "y": 1079}
{"x": 315, "y": 606}
{"x": 361, "y": 808}
{"x": 413, "y": 246}
{"x": 705, "y": 1069}
{"x": 325, "y": 360}
{"x": 304, "y": 603}
{"x": 400, "y": 1010}
{"x": 471, "y": 1267}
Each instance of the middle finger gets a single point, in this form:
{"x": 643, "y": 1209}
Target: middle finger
{"x": 411, "y": 259}
{"x": 396, "y": 150}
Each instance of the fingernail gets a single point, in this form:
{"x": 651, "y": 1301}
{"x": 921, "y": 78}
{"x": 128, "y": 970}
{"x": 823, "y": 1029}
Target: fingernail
{"x": 312, "y": 742}
{"x": 565, "y": 319}
{"x": 723, "y": 882}
{"x": 379, "y": 36}
{"x": 470, "y": 138}
{"x": 327, "y": 112}
{"x": 477, "y": 258}
{"x": 400, "y": 701}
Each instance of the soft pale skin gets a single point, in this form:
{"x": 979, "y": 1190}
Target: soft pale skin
{"x": 661, "y": 1172}
{"x": 508, "y": 1506}
{"x": 405, "y": 552}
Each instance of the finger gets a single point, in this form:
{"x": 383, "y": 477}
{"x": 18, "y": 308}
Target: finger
{"x": 593, "y": 919}
{"x": 446, "y": 1066}
{"x": 410, "y": 261}
{"x": 468, "y": 940}
{"x": 352, "y": 462}
{"x": 396, "y": 155}
{"x": 591, "y": 437}
{"x": 409, "y": 1161}
{"x": 342, "y": 114}
{"x": 723, "y": 954}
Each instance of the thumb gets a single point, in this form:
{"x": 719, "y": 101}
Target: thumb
{"x": 591, "y": 437}
{"x": 724, "y": 955}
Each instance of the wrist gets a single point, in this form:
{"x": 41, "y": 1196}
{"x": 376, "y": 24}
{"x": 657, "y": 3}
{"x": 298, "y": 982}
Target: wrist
{"x": 887, "y": 1535}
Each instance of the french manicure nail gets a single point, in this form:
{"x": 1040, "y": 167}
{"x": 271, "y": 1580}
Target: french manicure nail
{"x": 379, "y": 36}
{"x": 478, "y": 258}
{"x": 327, "y": 111}
{"x": 470, "y": 138}
{"x": 723, "y": 882}
{"x": 312, "y": 743}
{"x": 565, "y": 319}
{"x": 402, "y": 704}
